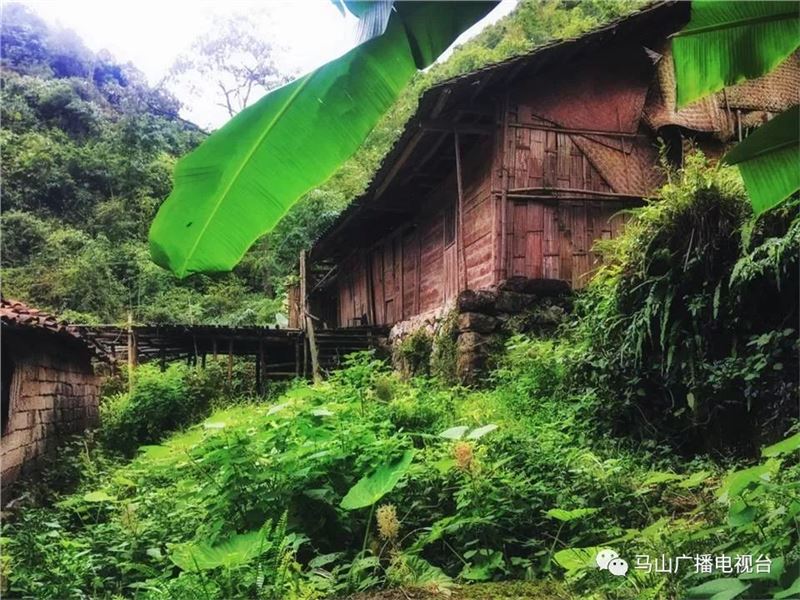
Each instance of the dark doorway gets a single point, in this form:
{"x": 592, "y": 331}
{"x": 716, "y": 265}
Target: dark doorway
{"x": 6, "y": 375}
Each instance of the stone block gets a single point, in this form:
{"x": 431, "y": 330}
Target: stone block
{"x": 513, "y": 302}
{"x": 481, "y": 301}
{"x": 539, "y": 287}
{"x": 473, "y": 321}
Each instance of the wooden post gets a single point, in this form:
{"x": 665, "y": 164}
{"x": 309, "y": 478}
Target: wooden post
{"x": 305, "y": 353}
{"x": 460, "y": 238}
{"x": 230, "y": 361}
{"x": 297, "y": 357}
{"x": 132, "y": 350}
{"x": 203, "y": 360}
{"x": 308, "y": 322}
{"x": 503, "y": 271}
{"x": 258, "y": 375}
{"x": 303, "y": 291}
{"x": 163, "y": 358}
{"x": 262, "y": 367}
{"x": 312, "y": 346}
{"x": 214, "y": 348}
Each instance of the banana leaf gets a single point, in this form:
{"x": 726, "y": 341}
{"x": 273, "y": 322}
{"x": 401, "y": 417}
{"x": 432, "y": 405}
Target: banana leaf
{"x": 769, "y": 160}
{"x": 727, "y": 42}
{"x": 239, "y": 183}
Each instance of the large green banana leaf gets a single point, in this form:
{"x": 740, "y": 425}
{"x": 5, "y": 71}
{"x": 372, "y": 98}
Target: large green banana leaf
{"x": 769, "y": 160}
{"x": 238, "y": 183}
{"x": 726, "y": 42}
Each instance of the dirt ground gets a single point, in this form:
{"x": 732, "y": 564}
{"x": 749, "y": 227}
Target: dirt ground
{"x": 515, "y": 590}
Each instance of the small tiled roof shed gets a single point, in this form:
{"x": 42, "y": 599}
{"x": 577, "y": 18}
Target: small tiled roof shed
{"x": 49, "y": 385}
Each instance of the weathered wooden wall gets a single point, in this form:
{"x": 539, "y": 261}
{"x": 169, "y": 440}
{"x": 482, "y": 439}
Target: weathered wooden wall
{"x": 54, "y": 392}
{"x": 554, "y": 239}
{"x": 416, "y": 269}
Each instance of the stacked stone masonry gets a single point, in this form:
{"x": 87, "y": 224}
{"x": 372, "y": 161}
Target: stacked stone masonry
{"x": 53, "y": 392}
{"x": 484, "y": 319}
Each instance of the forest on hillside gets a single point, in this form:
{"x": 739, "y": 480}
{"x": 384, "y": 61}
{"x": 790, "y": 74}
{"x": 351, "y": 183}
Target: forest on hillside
{"x": 648, "y": 421}
{"x": 88, "y": 152}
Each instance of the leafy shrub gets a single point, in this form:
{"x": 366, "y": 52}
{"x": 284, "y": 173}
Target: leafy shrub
{"x": 679, "y": 339}
{"x": 157, "y": 404}
{"x": 414, "y": 352}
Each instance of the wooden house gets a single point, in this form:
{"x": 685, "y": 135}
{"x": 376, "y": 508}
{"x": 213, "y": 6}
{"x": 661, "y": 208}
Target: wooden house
{"x": 516, "y": 169}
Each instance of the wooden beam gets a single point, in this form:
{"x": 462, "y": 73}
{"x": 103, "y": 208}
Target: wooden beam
{"x": 460, "y": 185}
{"x": 453, "y": 126}
{"x": 572, "y": 131}
{"x": 398, "y": 164}
{"x": 432, "y": 150}
{"x": 550, "y": 194}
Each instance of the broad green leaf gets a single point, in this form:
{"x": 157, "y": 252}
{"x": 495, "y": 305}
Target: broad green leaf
{"x": 481, "y": 431}
{"x": 324, "y": 559}
{"x": 233, "y": 552}
{"x": 373, "y": 487}
{"x": 787, "y": 446}
{"x": 99, "y": 496}
{"x": 154, "y": 553}
{"x": 793, "y": 591}
{"x": 740, "y": 513}
{"x": 573, "y": 559}
{"x": 768, "y": 160}
{"x": 727, "y": 42}
{"x": 657, "y": 477}
{"x": 454, "y": 433}
{"x": 276, "y": 408}
{"x": 737, "y": 481}
{"x": 483, "y": 566}
{"x": 418, "y": 572}
{"x": 244, "y": 177}
{"x": 726, "y": 588}
{"x": 694, "y": 479}
{"x": 156, "y": 453}
{"x": 570, "y": 515}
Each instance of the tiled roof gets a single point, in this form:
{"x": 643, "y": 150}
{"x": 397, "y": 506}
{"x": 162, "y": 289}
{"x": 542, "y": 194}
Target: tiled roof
{"x": 17, "y": 314}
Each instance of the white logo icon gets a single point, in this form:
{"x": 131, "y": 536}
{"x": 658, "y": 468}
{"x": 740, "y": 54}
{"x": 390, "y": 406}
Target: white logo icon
{"x": 609, "y": 559}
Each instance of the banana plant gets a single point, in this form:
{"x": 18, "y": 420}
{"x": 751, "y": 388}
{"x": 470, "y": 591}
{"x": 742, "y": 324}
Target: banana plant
{"x": 242, "y": 179}
{"x": 723, "y": 44}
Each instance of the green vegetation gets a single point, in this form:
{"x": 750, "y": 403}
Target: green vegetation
{"x": 658, "y": 419}
{"x": 370, "y": 480}
{"x": 88, "y": 151}
{"x": 725, "y": 43}
{"x": 238, "y": 184}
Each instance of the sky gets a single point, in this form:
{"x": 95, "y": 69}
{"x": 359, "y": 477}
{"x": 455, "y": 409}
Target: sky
{"x": 152, "y": 34}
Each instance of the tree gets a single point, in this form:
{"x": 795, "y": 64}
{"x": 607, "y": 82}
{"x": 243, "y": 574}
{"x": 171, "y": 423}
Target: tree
{"x": 236, "y": 58}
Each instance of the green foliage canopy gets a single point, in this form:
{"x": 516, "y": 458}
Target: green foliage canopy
{"x": 239, "y": 183}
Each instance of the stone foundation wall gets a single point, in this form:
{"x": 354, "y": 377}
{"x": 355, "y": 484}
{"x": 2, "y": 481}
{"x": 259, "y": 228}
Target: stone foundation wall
{"x": 484, "y": 319}
{"x": 54, "y": 392}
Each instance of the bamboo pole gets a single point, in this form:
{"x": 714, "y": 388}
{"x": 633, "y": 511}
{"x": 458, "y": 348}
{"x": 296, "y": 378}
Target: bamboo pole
{"x": 461, "y": 253}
